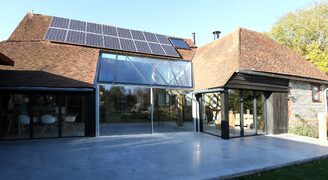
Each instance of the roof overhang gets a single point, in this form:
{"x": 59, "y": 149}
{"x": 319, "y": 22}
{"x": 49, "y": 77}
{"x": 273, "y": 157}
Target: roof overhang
{"x": 282, "y": 76}
{"x": 4, "y": 60}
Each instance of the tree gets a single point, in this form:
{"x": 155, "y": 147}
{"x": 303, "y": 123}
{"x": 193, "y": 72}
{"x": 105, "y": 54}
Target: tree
{"x": 305, "y": 32}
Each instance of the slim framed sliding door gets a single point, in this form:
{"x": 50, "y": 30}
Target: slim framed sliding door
{"x": 246, "y": 113}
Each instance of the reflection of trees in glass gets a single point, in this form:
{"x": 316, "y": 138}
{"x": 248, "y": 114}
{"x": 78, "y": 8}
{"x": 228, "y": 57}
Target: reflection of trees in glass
{"x": 124, "y": 104}
{"x": 113, "y": 97}
{"x": 248, "y": 101}
{"x": 234, "y": 101}
{"x": 212, "y": 102}
{"x": 260, "y": 111}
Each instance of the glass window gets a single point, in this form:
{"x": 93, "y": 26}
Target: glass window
{"x": 234, "y": 113}
{"x": 164, "y": 71}
{"x": 182, "y": 73}
{"x": 144, "y": 71}
{"x": 127, "y": 73}
{"x": 107, "y": 69}
{"x": 25, "y": 116}
{"x": 45, "y": 112}
{"x": 171, "y": 112}
{"x": 315, "y": 93}
{"x": 243, "y": 119}
{"x": 248, "y": 113}
{"x": 124, "y": 110}
{"x": 73, "y": 116}
{"x": 260, "y": 99}
{"x": 211, "y": 117}
{"x": 15, "y": 117}
{"x": 179, "y": 43}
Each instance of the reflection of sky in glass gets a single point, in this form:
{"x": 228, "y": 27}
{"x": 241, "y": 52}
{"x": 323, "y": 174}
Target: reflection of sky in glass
{"x": 145, "y": 71}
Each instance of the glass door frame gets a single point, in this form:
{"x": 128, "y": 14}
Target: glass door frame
{"x": 59, "y": 96}
{"x": 254, "y": 103}
{"x": 97, "y": 98}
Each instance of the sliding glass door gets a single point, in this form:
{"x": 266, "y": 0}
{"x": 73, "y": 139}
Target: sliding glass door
{"x": 246, "y": 113}
{"x": 126, "y": 109}
{"x": 172, "y": 113}
{"x": 211, "y": 117}
{"x": 27, "y": 116}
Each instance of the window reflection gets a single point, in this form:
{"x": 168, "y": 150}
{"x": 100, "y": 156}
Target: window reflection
{"x": 249, "y": 122}
{"x": 211, "y": 117}
{"x": 124, "y": 110}
{"x": 234, "y": 113}
{"x": 172, "y": 111}
{"x": 73, "y": 116}
{"x": 25, "y": 116}
{"x": 145, "y": 71}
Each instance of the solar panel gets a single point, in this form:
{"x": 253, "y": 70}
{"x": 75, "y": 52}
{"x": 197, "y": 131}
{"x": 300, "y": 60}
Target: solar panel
{"x": 109, "y": 30}
{"x": 150, "y": 37}
{"x": 137, "y": 35}
{"x": 94, "y": 28}
{"x": 77, "y": 25}
{"x": 179, "y": 43}
{"x": 75, "y": 37}
{"x": 94, "y": 40}
{"x": 156, "y": 48}
{"x": 125, "y": 33}
{"x": 59, "y": 22}
{"x": 163, "y": 39}
{"x": 127, "y": 45}
{"x": 111, "y": 42}
{"x": 56, "y": 35}
{"x": 110, "y": 37}
{"x": 142, "y": 47}
{"x": 170, "y": 51}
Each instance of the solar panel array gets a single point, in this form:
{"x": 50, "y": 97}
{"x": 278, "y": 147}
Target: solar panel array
{"x": 108, "y": 37}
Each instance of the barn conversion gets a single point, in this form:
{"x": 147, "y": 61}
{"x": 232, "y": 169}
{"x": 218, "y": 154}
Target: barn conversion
{"x": 76, "y": 78}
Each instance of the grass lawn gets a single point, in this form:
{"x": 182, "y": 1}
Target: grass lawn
{"x": 317, "y": 169}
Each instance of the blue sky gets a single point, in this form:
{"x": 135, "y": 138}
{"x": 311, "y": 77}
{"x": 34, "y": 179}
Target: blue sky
{"x": 170, "y": 17}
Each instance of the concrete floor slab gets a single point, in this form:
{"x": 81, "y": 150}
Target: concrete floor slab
{"x": 185, "y": 155}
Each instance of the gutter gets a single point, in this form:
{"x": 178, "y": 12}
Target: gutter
{"x": 207, "y": 90}
{"x": 48, "y": 89}
{"x": 281, "y": 76}
{"x": 325, "y": 99}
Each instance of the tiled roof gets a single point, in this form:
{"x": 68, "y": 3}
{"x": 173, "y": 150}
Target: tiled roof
{"x": 31, "y": 28}
{"x": 48, "y": 65}
{"x": 252, "y": 51}
{"x": 215, "y": 62}
{"x": 4, "y": 60}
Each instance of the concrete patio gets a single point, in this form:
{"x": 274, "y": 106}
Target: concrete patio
{"x": 184, "y": 155}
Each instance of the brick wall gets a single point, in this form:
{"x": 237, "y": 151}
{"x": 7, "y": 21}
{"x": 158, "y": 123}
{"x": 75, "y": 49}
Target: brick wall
{"x": 301, "y": 105}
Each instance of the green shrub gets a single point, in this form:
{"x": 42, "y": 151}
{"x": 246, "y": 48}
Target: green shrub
{"x": 304, "y": 130}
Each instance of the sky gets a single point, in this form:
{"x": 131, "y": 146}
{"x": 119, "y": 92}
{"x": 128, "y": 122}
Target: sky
{"x": 170, "y": 17}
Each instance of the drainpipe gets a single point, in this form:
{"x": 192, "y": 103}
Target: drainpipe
{"x": 322, "y": 121}
{"x": 325, "y": 99}
{"x": 97, "y": 110}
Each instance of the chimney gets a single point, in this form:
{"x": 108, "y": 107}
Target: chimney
{"x": 194, "y": 37}
{"x": 216, "y": 34}
{"x": 30, "y": 14}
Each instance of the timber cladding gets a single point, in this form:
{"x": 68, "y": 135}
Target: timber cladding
{"x": 277, "y": 112}
{"x": 252, "y": 82}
